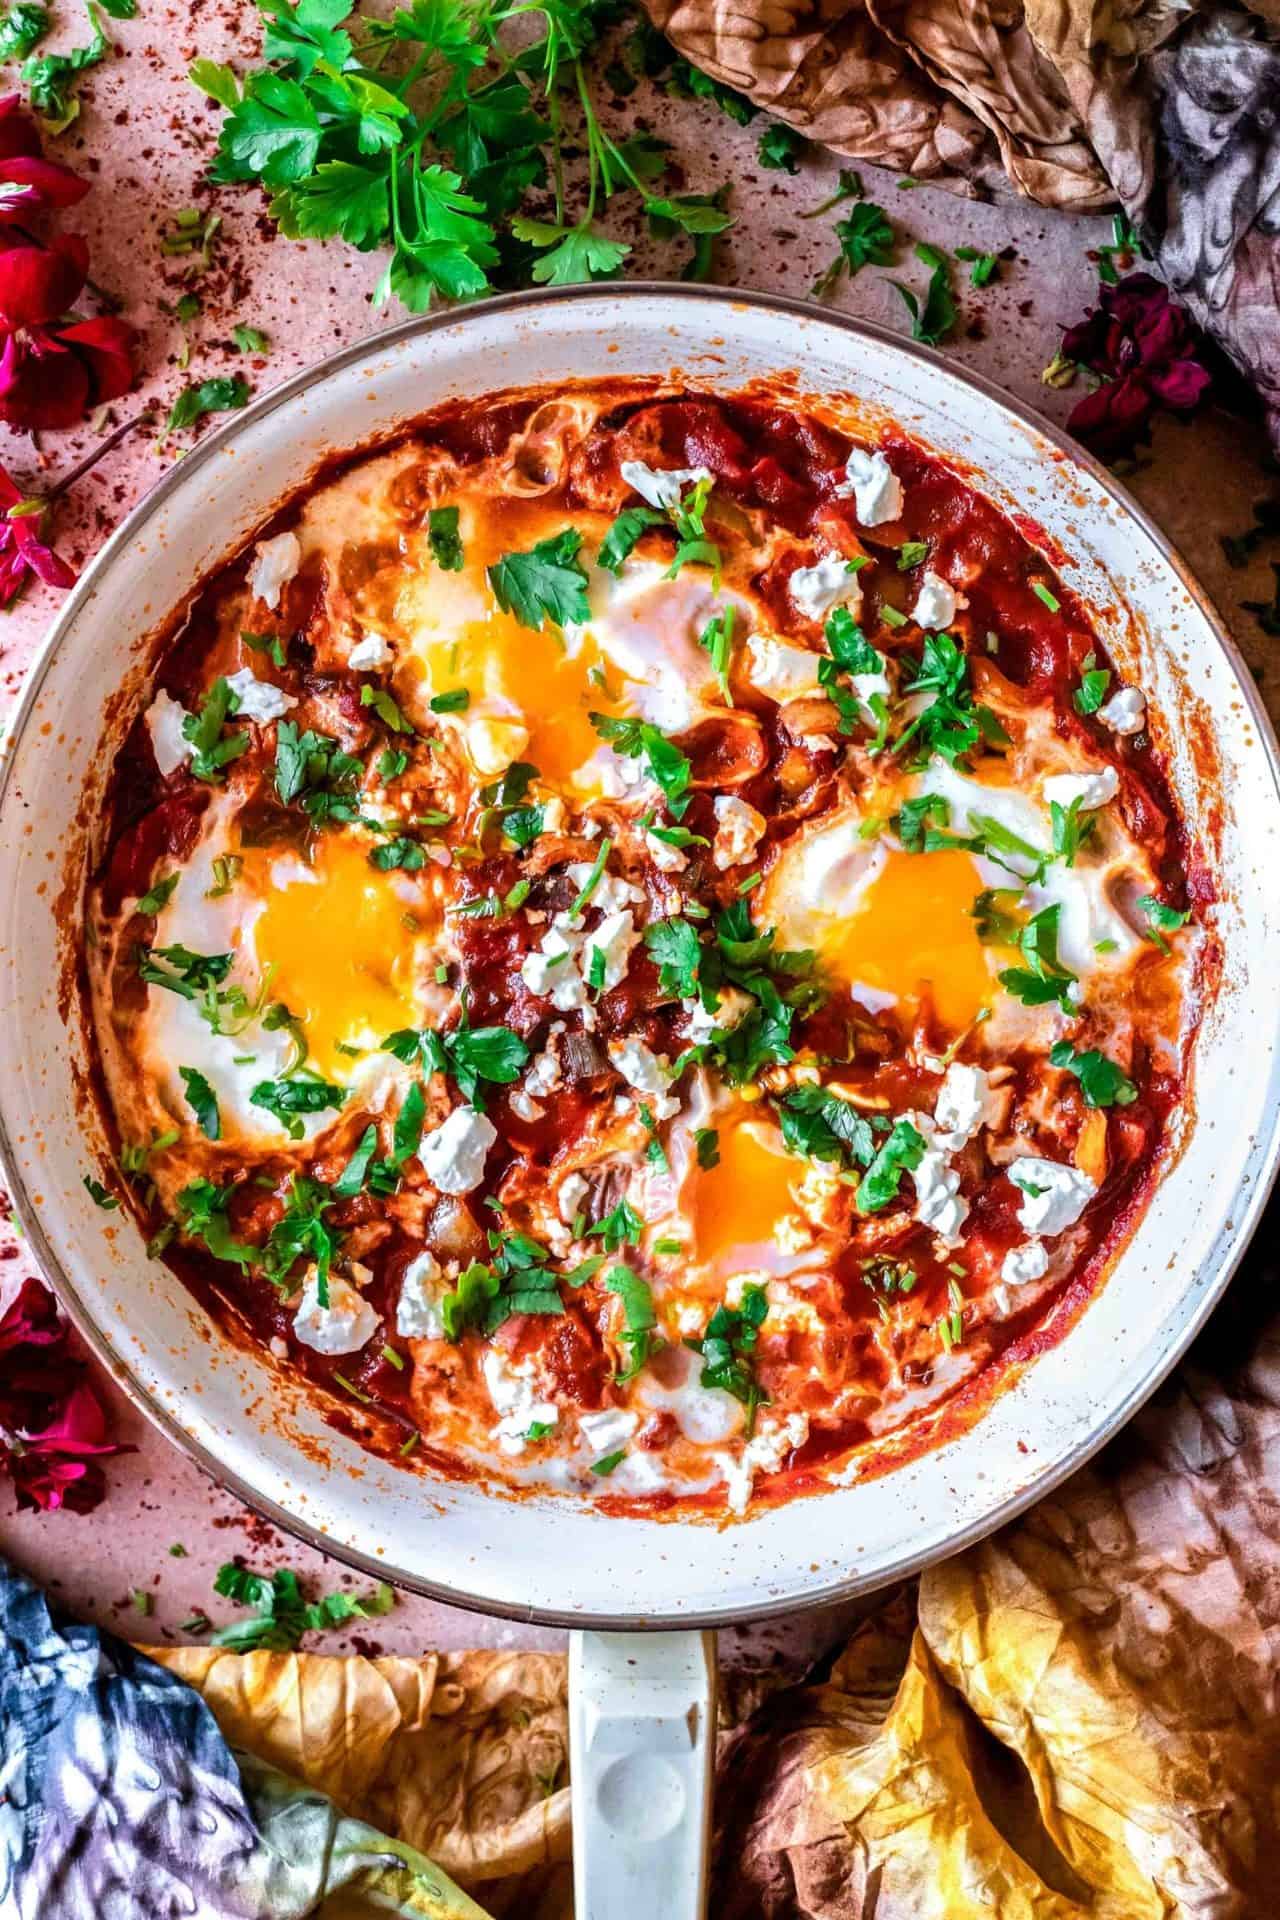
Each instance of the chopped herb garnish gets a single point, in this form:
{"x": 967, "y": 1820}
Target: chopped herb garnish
{"x": 606, "y": 1465}
{"x": 401, "y": 852}
{"x": 636, "y": 739}
{"x": 385, "y": 707}
{"x": 816, "y": 1122}
{"x": 593, "y": 879}
{"x": 706, "y": 1141}
{"x": 727, "y": 1347}
{"x": 444, "y": 539}
{"x": 932, "y": 319}
{"x": 1101, "y": 1081}
{"x": 1044, "y": 980}
{"x": 632, "y": 1289}
{"x": 547, "y": 582}
{"x": 1160, "y": 919}
{"x": 100, "y": 1195}
{"x": 468, "y": 1054}
{"x": 983, "y": 266}
{"x": 457, "y": 700}
{"x": 159, "y": 895}
{"x": 780, "y": 148}
{"x": 621, "y": 1226}
{"x": 866, "y": 238}
{"x": 280, "y": 1616}
{"x": 901, "y": 1152}
{"x": 716, "y": 639}
{"x": 1092, "y": 691}
{"x": 219, "y": 395}
{"x": 250, "y": 339}
{"x": 203, "y": 1102}
{"x": 622, "y": 536}
{"x": 210, "y": 752}
{"x": 288, "y": 1100}
{"x": 1042, "y": 592}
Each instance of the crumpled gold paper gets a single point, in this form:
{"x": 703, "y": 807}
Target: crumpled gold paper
{"x": 464, "y": 1755}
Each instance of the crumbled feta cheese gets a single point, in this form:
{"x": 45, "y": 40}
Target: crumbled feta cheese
{"x": 829, "y": 582}
{"x": 523, "y": 1107}
{"x": 418, "y": 1315}
{"x": 1028, "y": 1262}
{"x": 555, "y": 815}
{"x": 764, "y": 1453}
{"x": 649, "y": 1073}
{"x": 551, "y": 973}
{"x": 606, "y": 1431}
{"x": 1125, "y": 711}
{"x": 1054, "y": 1196}
{"x": 610, "y": 893}
{"x": 515, "y": 1399}
{"x": 936, "y": 602}
{"x": 615, "y": 938}
{"x": 1092, "y": 790}
{"x": 965, "y": 1102}
{"x": 259, "y": 700}
{"x": 573, "y": 1191}
{"x": 792, "y": 1234}
{"x": 494, "y": 744}
{"x": 165, "y": 716}
{"x": 368, "y": 654}
{"x": 665, "y": 857}
{"x": 876, "y": 488}
{"x": 939, "y": 1201}
{"x": 278, "y": 1348}
{"x": 274, "y": 564}
{"x": 738, "y": 831}
{"x": 733, "y": 1006}
{"x": 453, "y": 1155}
{"x": 661, "y": 487}
{"x": 779, "y": 670}
{"x": 345, "y": 1325}
{"x": 546, "y": 1075}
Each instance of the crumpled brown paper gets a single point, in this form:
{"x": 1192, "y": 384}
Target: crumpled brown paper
{"x": 1167, "y": 106}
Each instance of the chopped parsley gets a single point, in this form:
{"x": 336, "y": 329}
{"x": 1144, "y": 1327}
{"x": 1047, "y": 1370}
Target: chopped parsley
{"x": 983, "y": 267}
{"x": 901, "y": 1152}
{"x": 1101, "y": 1081}
{"x": 622, "y": 536}
{"x": 402, "y": 852}
{"x": 203, "y": 1215}
{"x": 279, "y": 1615}
{"x": 621, "y": 1226}
{"x": 951, "y": 724}
{"x": 517, "y": 1279}
{"x": 457, "y": 700}
{"x": 202, "y": 1101}
{"x": 728, "y": 1346}
{"x": 639, "y": 739}
{"x": 632, "y": 1289}
{"x": 706, "y": 1142}
{"x": 1044, "y": 980}
{"x": 933, "y": 318}
{"x": 911, "y": 553}
{"x": 1092, "y": 691}
{"x": 219, "y": 395}
{"x": 816, "y": 1122}
{"x": 289, "y": 1100}
{"x": 780, "y": 148}
{"x": 1160, "y": 919}
{"x": 866, "y": 238}
{"x": 249, "y": 339}
{"x": 99, "y": 1194}
{"x": 547, "y": 582}
{"x": 468, "y": 1054}
{"x": 210, "y": 752}
{"x": 181, "y": 971}
{"x": 444, "y": 539}
{"x": 312, "y": 770}
{"x": 158, "y": 896}
{"x": 385, "y": 707}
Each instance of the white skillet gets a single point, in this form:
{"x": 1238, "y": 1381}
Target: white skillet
{"x": 641, "y": 1705}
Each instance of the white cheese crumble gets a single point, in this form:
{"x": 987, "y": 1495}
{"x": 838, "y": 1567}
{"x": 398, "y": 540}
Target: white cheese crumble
{"x": 1092, "y": 790}
{"x": 876, "y": 488}
{"x": 733, "y": 1006}
{"x": 649, "y": 1073}
{"x": 546, "y": 1075}
{"x": 515, "y": 1400}
{"x": 1027, "y": 1262}
{"x": 780, "y": 671}
{"x": 763, "y": 1453}
{"x": 418, "y": 1315}
{"x": 274, "y": 564}
{"x": 965, "y": 1102}
{"x": 1125, "y": 711}
{"x": 939, "y": 1201}
{"x": 551, "y": 973}
{"x": 1060, "y": 1196}
{"x": 345, "y": 1325}
{"x": 259, "y": 700}
{"x": 738, "y": 830}
{"x": 661, "y": 487}
{"x": 615, "y": 939}
{"x": 453, "y": 1154}
{"x": 665, "y": 857}
{"x": 369, "y": 653}
{"x": 829, "y": 582}
{"x": 573, "y": 1191}
{"x": 936, "y": 602}
{"x": 610, "y": 892}
{"x": 606, "y": 1431}
{"x": 165, "y": 716}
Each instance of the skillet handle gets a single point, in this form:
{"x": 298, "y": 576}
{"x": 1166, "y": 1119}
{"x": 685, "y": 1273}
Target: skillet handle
{"x": 642, "y": 1714}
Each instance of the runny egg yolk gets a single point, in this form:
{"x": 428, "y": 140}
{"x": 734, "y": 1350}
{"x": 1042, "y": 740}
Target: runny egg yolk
{"x": 912, "y": 927}
{"x": 544, "y": 684}
{"x": 735, "y": 1206}
{"x": 341, "y": 955}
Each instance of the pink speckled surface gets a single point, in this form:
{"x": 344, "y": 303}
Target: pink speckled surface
{"x": 144, "y": 137}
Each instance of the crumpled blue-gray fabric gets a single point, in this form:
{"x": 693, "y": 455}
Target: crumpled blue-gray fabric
{"x": 120, "y": 1799}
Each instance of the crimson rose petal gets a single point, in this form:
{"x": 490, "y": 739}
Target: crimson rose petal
{"x": 38, "y": 284}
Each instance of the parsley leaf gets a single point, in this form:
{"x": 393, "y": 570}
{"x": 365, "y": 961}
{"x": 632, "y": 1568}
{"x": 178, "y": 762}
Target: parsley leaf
{"x": 158, "y": 896}
{"x": 49, "y": 76}
{"x": 622, "y": 536}
{"x": 203, "y": 1215}
{"x": 727, "y": 1347}
{"x": 1044, "y": 980}
{"x": 676, "y": 951}
{"x": 23, "y": 26}
{"x": 1101, "y": 1080}
{"x": 819, "y": 1124}
{"x": 100, "y": 1195}
{"x": 203, "y": 1102}
{"x": 866, "y": 238}
{"x": 932, "y": 319}
{"x": 636, "y": 739}
{"x": 219, "y": 395}
{"x": 280, "y": 1615}
{"x": 900, "y": 1153}
{"x": 210, "y": 753}
{"x": 444, "y": 539}
{"x": 289, "y": 1099}
{"x": 637, "y": 1306}
{"x": 469, "y": 1054}
{"x": 781, "y": 147}
{"x": 548, "y": 581}
{"x": 1160, "y": 919}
